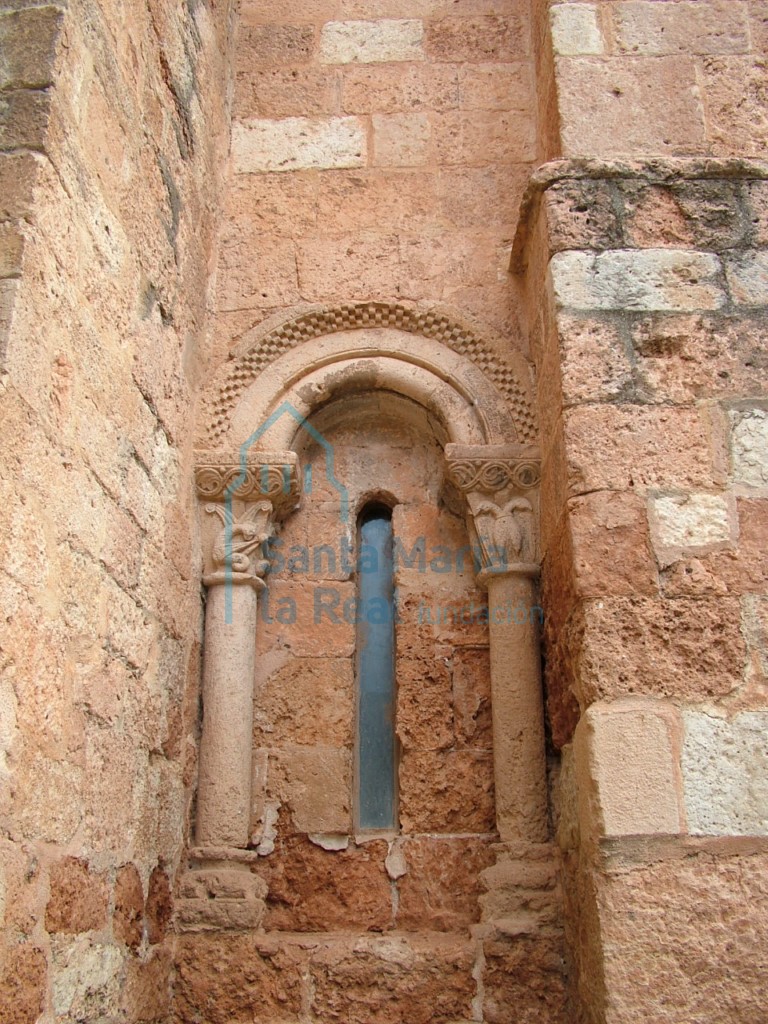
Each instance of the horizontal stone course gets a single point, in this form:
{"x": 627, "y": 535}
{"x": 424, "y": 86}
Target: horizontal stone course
{"x": 367, "y": 42}
{"x": 298, "y": 143}
{"x": 644, "y": 280}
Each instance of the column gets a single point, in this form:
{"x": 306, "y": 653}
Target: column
{"x": 499, "y": 484}
{"x": 240, "y": 501}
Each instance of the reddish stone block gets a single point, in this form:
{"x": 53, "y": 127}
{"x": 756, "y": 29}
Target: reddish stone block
{"x": 527, "y": 973}
{"x": 23, "y": 973}
{"x": 158, "y": 909}
{"x": 393, "y": 979}
{"x": 481, "y": 39}
{"x": 472, "y": 716}
{"x": 582, "y": 215}
{"x": 312, "y": 889}
{"x": 440, "y": 889}
{"x": 78, "y": 900}
{"x": 447, "y": 791}
{"x": 424, "y": 708}
{"x": 684, "y": 215}
{"x": 235, "y": 979}
{"x": 128, "y": 915}
{"x": 274, "y": 44}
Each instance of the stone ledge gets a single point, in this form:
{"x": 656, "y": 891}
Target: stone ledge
{"x": 654, "y": 171}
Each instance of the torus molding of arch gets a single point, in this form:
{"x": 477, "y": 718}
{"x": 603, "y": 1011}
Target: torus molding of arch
{"x": 306, "y": 326}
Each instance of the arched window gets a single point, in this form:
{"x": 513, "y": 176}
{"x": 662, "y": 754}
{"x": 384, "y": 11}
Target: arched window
{"x": 376, "y": 804}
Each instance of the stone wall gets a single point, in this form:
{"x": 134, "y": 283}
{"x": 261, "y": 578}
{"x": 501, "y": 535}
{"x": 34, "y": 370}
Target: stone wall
{"x": 111, "y": 121}
{"x": 376, "y": 158}
{"x": 652, "y": 390}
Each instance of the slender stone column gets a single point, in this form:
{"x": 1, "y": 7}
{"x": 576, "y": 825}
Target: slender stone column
{"x": 499, "y": 484}
{"x": 234, "y": 528}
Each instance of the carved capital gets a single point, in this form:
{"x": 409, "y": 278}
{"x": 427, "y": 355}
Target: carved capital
{"x": 500, "y": 487}
{"x": 241, "y": 501}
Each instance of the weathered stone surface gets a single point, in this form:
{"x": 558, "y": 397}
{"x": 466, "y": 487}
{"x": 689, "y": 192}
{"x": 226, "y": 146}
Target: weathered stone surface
{"x": 724, "y": 773}
{"x": 390, "y": 979}
{"x": 749, "y": 447}
{"x": 647, "y": 280}
{"x": 734, "y": 90}
{"x": 401, "y": 140}
{"x": 474, "y": 39}
{"x": 626, "y": 767}
{"x": 684, "y": 215}
{"x": 525, "y": 973}
{"x": 298, "y": 143}
{"x": 128, "y": 915}
{"x": 447, "y": 791}
{"x": 689, "y": 522}
{"x": 365, "y": 42}
{"x": 576, "y": 30}
{"x": 399, "y": 89}
{"x": 611, "y": 548}
{"x": 78, "y": 900}
{"x": 235, "y": 978}
{"x": 620, "y": 106}
{"x": 581, "y": 215}
{"x": 159, "y": 905}
{"x": 682, "y": 648}
{"x": 85, "y": 979}
{"x": 304, "y": 701}
{"x": 632, "y": 447}
{"x": 747, "y": 276}
{"x": 425, "y": 719}
{"x": 665, "y": 968}
{"x": 28, "y": 40}
{"x": 472, "y": 712}
{"x": 275, "y": 44}
{"x": 22, "y": 984}
{"x": 311, "y": 889}
{"x": 715, "y": 26}
{"x": 441, "y": 884}
{"x": 315, "y": 784}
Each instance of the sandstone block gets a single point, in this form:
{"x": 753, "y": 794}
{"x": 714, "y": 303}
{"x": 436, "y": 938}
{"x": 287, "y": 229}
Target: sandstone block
{"x": 472, "y": 716}
{"x": 467, "y": 39}
{"x": 623, "y": 447}
{"x": 581, "y": 215}
{"x": 158, "y": 908}
{"x": 733, "y": 87}
{"x": 527, "y": 973}
{"x": 747, "y": 277}
{"x": 620, "y": 106}
{"x": 397, "y": 88}
{"x": 440, "y": 887}
{"x": 495, "y": 86}
{"x": 367, "y": 42}
{"x": 401, "y": 140}
{"x": 686, "y": 649}
{"x": 684, "y": 215}
{"x": 725, "y": 773}
{"x": 23, "y": 118}
{"x": 220, "y": 914}
{"x": 709, "y": 27}
{"x": 757, "y": 195}
{"x": 86, "y": 979}
{"x": 349, "y": 267}
{"x": 576, "y": 30}
{"x": 128, "y": 915}
{"x": 424, "y": 708}
{"x": 642, "y": 280}
{"x": 28, "y": 43}
{"x": 277, "y": 93}
{"x": 690, "y": 522}
{"x": 233, "y": 979}
{"x": 626, "y": 768}
{"x": 482, "y": 137}
{"x": 312, "y": 889}
{"x": 315, "y": 783}
{"x": 146, "y": 993}
{"x": 305, "y": 701}
{"x": 611, "y": 545}
{"x": 22, "y": 984}
{"x": 594, "y": 363}
{"x": 447, "y": 791}
{"x": 298, "y": 143}
{"x": 274, "y": 44}
{"x": 749, "y": 447}
{"x": 387, "y": 980}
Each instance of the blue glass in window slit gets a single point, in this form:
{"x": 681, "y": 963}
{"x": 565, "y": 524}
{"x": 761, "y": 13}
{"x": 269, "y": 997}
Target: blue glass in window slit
{"x": 376, "y": 674}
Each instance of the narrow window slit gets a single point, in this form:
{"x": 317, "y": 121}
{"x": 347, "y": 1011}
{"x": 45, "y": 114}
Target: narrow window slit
{"x": 376, "y": 804}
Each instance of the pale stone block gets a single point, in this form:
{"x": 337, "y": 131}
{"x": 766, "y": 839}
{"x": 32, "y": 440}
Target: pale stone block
{"x": 749, "y": 447}
{"x": 748, "y": 278}
{"x": 725, "y": 773}
{"x": 626, "y": 768}
{"x": 372, "y": 42}
{"x": 704, "y": 26}
{"x": 685, "y": 521}
{"x": 671, "y": 280}
{"x": 298, "y": 143}
{"x": 400, "y": 140}
{"x": 86, "y": 979}
{"x": 576, "y": 30}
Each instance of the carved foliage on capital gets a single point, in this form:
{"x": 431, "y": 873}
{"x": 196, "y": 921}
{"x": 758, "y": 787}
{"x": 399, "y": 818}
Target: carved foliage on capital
{"x": 242, "y": 501}
{"x": 500, "y": 487}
